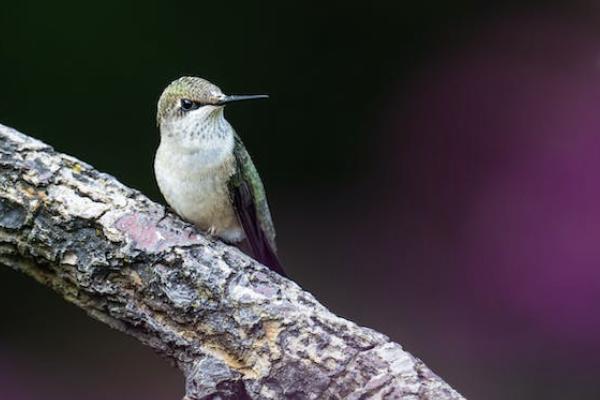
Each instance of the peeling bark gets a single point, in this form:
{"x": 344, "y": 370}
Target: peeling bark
{"x": 235, "y": 329}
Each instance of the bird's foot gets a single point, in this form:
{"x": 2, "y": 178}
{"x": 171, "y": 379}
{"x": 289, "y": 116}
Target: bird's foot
{"x": 166, "y": 212}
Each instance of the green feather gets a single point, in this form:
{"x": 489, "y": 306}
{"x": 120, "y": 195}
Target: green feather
{"x": 246, "y": 173}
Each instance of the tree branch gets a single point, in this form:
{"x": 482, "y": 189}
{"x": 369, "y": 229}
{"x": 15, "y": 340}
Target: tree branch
{"x": 235, "y": 329}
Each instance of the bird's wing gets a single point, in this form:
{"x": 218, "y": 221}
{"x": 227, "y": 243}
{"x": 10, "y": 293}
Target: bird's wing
{"x": 250, "y": 203}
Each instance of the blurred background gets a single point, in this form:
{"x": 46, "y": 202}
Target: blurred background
{"x": 432, "y": 168}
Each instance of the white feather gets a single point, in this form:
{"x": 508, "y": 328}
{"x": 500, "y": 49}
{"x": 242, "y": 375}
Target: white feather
{"x": 193, "y": 164}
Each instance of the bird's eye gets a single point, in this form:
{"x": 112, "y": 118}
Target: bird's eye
{"x": 187, "y": 105}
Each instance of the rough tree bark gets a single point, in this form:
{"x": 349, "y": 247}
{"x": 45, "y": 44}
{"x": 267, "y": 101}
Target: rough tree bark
{"x": 235, "y": 329}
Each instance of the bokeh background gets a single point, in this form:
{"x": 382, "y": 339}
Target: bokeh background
{"x": 432, "y": 167}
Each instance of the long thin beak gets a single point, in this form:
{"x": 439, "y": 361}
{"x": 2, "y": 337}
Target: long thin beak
{"x": 234, "y": 98}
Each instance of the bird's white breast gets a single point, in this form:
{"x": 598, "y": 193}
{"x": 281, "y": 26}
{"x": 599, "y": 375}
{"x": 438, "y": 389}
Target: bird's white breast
{"x": 194, "y": 181}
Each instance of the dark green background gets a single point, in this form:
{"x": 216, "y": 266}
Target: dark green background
{"x": 85, "y": 77}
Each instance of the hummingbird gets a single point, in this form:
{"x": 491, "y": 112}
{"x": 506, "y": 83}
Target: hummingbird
{"x": 205, "y": 172}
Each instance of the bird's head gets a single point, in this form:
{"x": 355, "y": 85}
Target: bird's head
{"x": 193, "y": 107}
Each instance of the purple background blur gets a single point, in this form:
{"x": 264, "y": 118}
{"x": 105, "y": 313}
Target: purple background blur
{"x": 434, "y": 175}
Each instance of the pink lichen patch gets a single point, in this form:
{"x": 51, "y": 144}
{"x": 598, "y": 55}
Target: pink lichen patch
{"x": 148, "y": 235}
